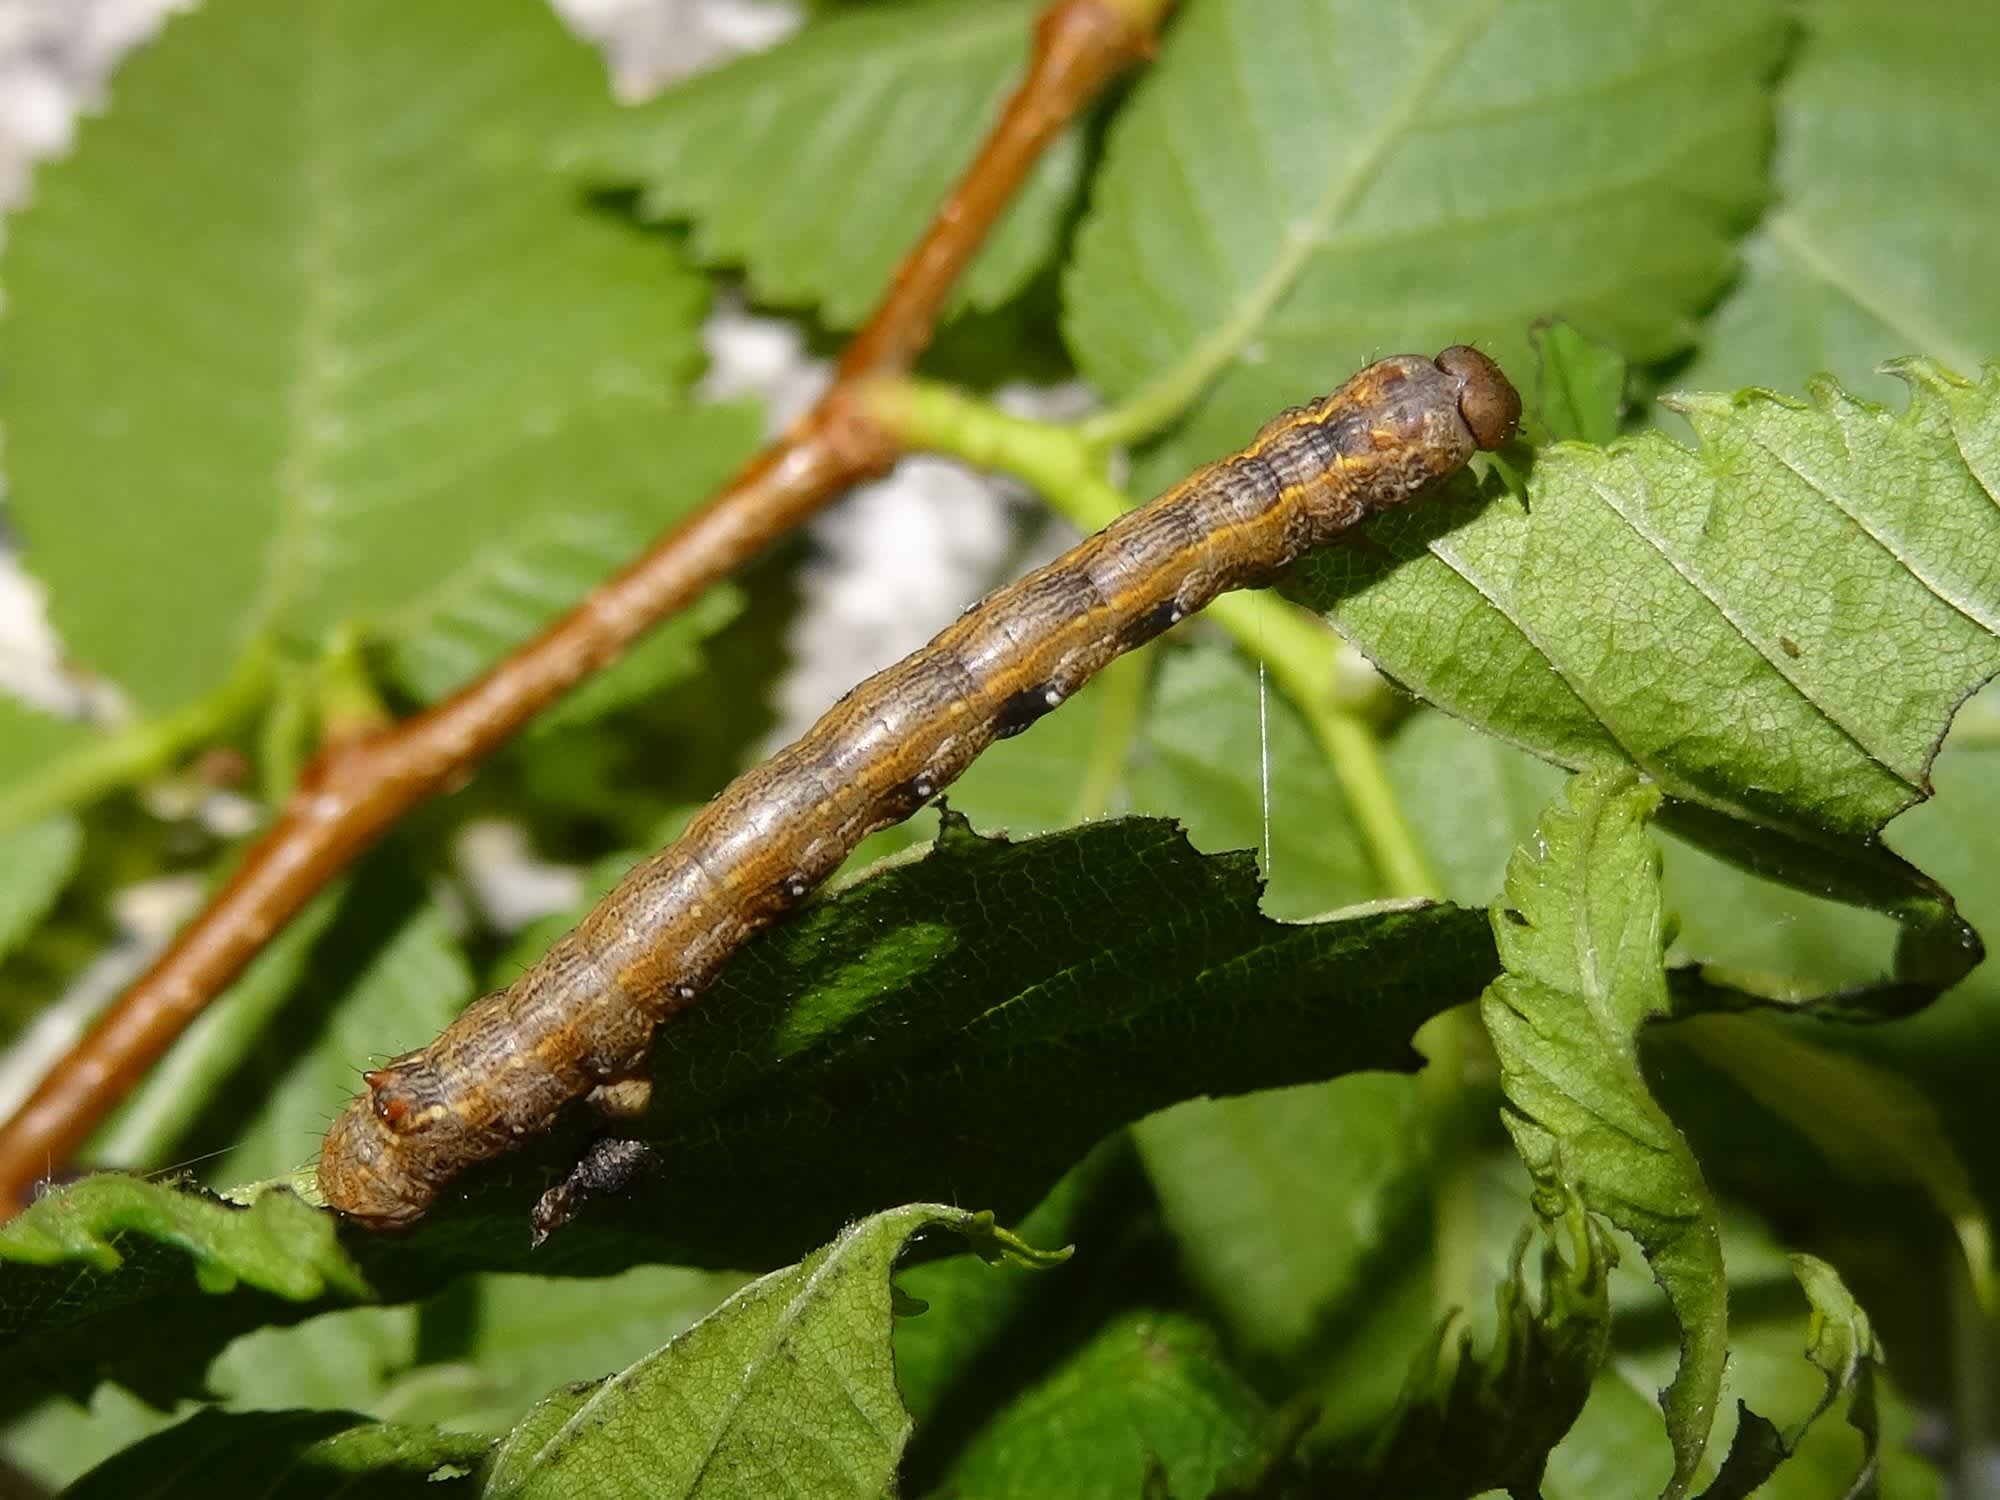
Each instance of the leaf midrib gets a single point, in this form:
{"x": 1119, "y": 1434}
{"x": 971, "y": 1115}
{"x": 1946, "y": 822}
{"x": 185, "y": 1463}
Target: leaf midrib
{"x": 301, "y": 473}
{"x": 787, "y": 1318}
{"x": 1300, "y": 240}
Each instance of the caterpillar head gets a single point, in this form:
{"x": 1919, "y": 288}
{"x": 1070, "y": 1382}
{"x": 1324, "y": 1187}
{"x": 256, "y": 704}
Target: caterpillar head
{"x": 377, "y": 1165}
{"x": 1487, "y": 399}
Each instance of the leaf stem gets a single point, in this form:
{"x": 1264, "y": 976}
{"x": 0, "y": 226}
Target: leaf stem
{"x": 129, "y": 756}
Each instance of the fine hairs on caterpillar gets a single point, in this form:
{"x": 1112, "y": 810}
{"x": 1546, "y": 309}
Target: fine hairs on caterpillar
{"x": 580, "y": 1022}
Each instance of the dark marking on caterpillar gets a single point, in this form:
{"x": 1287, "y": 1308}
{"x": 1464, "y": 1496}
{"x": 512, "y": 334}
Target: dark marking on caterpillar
{"x": 1153, "y": 623}
{"x": 1022, "y": 709}
{"x": 582, "y": 1018}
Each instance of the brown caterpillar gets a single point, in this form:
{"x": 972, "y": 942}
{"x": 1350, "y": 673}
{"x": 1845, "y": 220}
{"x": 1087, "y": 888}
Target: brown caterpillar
{"x": 581, "y": 1020}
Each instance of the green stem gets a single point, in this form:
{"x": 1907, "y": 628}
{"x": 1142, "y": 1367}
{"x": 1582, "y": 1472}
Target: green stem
{"x": 349, "y": 704}
{"x": 284, "y": 738}
{"x": 131, "y": 755}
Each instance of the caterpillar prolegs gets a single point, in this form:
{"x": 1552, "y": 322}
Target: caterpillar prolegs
{"x": 581, "y": 1020}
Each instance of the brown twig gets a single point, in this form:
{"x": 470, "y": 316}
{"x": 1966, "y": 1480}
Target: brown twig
{"x": 355, "y": 790}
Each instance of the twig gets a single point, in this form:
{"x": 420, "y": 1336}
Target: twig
{"x": 354, "y": 790}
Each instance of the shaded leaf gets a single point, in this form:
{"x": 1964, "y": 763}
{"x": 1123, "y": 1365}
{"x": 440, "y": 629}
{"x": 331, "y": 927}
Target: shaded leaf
{"x": 83, "y": 1262}
{"x": 1580, "y": 938}
{"x": 400, "y": 976}
{"x": 1146, "y": 1406}
{"x": 1871, "y": 1124}
{"x": 1283, "y": 1201}
{"x": 1842, "y": 1346}
{"x": 362, "y": 292}
{"x": 815, "y": 165}
{"x": 1189, "y": 733}
{"x": 788, "y": 1387}
{"x": 367, "y": 970}
{"x": 1617, "y": 1450}
{"x": 990, "y": 1332}
{"x": 154, "y": 1121}
{"x": 1471, "y": 799}
{"x": 59, "y": 1441}
{"x": 1299, "y": 187}
{"x": 1877, "y": 241}
{"x": 288, "y": 1453}
{"x": 509, "y": 1339}
{"x": 871, "y": 1044}
{"x": 1215, "y": 746}
{"x": 36, "y": 862}
{"x": 1775, "y": 628}
{"x": 972, "y": 1021}
{"x": 1480, "y": 1420}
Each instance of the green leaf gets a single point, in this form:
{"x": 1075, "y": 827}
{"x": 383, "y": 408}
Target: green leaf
{"x": 1579, "y": 391}
{"x": 1283, "y": 1202}
{"x": 565, "y": 539}
{"x": 1842, "y": 1346}
{"x": 1299, "y": 187}
{"x": 83, "y": 1263}
{"x": 1580, "y": 938}
{"x": 980, "y": 1313}
{"x": 1876, "y": 245}
{"x": 788, "y": 1387}
{"x": 1476, "y": 1421}
{"x": 1039, "y": 993}
{"x": 767, "y": 155}
{"x": 1775, "y": 628}
{"x": 1871, "y": 1124}
{"x": 36, "y": 859}
{"x": 1146, "y": 1406}
{"x": 1617, "y": 1452}
{"x": 1216, "y": 745}
{"x": 973, "y": 1021}
{"x": 291, "y": 1453}
{"x": 362, "y": 293}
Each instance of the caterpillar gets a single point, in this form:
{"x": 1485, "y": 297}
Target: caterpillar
{"x": 580, "y": 1022}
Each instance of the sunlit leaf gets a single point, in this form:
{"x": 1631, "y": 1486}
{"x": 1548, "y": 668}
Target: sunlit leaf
{"x": 1876, "y": 242}
{"x": 1775, "y": 627}
{"x": 789, "y": 1386}
{"x": 1299, "y": 187}
{"x": 361, "y": 291}
{"x": 766, "y": 157}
